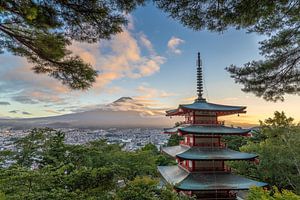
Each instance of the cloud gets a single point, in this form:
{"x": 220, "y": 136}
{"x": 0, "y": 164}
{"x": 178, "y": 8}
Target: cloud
{"x": 188, "y": 99}
{"x": 120, "y": 57}
{"x": 13, "y": 111}
{"x": 21, "y": 77}
{"x": 24, "y": 86}
{"x": 26, "y": 113}
{"x": 230, "y": 99}
{"x": 18, "y": 111}
{"x": 53, "y": 111}
{"x": 113, "y": 90}
{"x": 4, "y": 103}
{"x": 130, "y": 24}
{"x": 173, "y": 44}
{"x": 146, "y": 43}
{"x": 144, "y": 107}
{"x": 150, "y": 93}
{"x": 24, "y": 100}
{"x": 44, "y": 96}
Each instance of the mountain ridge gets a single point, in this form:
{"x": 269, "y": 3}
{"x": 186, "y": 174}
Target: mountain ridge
{"x": 125, "y": 112}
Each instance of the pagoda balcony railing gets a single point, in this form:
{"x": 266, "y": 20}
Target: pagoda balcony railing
{"x": 209, "y": 169}
{"x": 215, "y": 144}
{"x": 204, "y": 169}
{"x": 217, "y": 123}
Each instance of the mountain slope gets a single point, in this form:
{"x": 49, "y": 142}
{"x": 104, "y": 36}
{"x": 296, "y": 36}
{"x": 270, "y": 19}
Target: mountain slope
{"x": 124, "y": 112}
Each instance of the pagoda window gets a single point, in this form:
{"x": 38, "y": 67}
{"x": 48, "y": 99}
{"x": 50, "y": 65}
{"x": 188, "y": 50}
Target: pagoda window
{"x": 205, "y": 113}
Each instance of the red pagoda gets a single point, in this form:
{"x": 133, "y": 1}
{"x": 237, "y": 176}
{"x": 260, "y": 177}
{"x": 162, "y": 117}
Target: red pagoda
{"x": 201, "y": 156}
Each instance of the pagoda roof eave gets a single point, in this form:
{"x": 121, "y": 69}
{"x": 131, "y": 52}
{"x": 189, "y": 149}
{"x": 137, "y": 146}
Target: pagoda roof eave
{"x": 208, "y": 130}
{"x": 206, "y": 106}
{"x": 206, "y": 154}
{"x": 205, "y": 181}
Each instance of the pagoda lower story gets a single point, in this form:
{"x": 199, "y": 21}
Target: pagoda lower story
{"x": 206, "y": 185}
{"x": 201, "y": 170}
{"x": 201, "y": 157}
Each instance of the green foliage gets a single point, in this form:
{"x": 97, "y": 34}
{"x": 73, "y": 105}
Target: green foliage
{"x": 145, "y": 188}
{"x": 141, "y": 188}
{"x": 41, "y": 146}
{"x": 279, "y": 21}
{"x": 279, "y": 154}
{"x": 259, "y": 193}
{"x": 46, "y": 168}
{"x": 151, "y": 148}
{"x": 234, "y": 142}
{"x": 174, "y": 140}
{"x": 42, "y": 30}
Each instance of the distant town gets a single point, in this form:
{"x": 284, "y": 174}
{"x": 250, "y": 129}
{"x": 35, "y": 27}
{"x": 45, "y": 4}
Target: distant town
{"x": 130, "y": 138}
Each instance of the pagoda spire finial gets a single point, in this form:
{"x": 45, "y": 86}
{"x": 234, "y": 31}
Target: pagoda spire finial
{"x": 199, "y": 79}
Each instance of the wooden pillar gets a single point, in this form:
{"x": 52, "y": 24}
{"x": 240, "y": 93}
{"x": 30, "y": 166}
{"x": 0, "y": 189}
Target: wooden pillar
{"x": 194, "y": 140}
{"x": 194, "y": 117}
{"x": 193, "y": 168}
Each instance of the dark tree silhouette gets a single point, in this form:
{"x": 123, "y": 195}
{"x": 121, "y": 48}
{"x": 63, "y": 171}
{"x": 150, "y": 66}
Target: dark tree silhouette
{"x": 41, "y": 31}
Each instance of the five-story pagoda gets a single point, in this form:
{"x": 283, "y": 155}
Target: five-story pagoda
{"x": 201, "y": 170}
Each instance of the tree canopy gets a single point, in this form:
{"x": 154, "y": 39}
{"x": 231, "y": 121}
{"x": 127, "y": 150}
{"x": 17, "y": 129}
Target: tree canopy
{"x": 42, "y": 166}
{"x": 42, "y": 30}
{"x": 277, "y": 145}
{"x": 259, "y": 193}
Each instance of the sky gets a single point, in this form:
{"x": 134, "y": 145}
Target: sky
{"x": 153, "y": 61}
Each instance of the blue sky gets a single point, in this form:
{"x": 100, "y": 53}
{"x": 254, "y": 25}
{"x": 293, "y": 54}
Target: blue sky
{"x": 153, "y": 60}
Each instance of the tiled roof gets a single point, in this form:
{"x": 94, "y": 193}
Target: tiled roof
{"x": 205, "y": 181}
{"x": 205, "y": 106}
{"x": 204, "y": 153}
{"x": 209, "y": 130}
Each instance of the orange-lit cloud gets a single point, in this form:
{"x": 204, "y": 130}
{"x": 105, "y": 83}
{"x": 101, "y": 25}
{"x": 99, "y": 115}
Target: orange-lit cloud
{"x": 122, "y": 58}
{"x": 150, "y": 93}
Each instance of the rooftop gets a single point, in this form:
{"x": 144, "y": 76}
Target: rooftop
{"x": 208, "y": 130}
{"x": 201, "y": 153}
{"x": 203, "y": 105}
{"x": 184, "y": 180}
